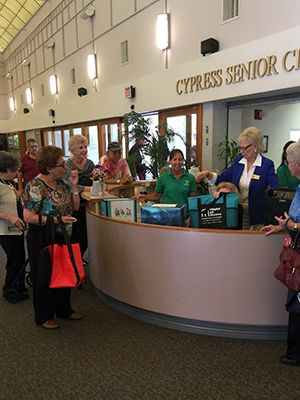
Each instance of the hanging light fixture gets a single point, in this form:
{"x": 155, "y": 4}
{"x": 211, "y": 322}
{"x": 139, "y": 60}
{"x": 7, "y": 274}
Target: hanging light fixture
{"x": 53, "y": 84}
{"x": 28, "y": 93}
{"x": 162, "y": 31}
{"x": 91, "y": 66}
{"x": 12, "y": 105}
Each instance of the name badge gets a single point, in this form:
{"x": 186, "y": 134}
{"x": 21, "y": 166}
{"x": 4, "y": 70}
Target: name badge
{"x": 257, "y": 177}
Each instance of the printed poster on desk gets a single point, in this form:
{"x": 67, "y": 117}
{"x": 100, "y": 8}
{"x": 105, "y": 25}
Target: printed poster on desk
{"x": 124, "y": 209}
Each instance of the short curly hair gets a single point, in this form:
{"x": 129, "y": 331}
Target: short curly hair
{"x": 75, "y": 141}
{"x": 8, "y": 162}
{"x": 47, "y": 158}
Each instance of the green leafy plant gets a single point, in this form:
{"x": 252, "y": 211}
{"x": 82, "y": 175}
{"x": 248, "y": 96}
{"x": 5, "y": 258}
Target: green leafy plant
{"x": 156, "y": 145}
{"x": 228, "y": 149}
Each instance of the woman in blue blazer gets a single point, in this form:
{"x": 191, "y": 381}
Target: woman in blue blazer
{"x": 252, "y": 173}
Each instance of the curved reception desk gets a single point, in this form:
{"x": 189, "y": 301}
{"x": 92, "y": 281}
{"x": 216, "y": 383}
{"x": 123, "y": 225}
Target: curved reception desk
{"x": 213, "y": 282}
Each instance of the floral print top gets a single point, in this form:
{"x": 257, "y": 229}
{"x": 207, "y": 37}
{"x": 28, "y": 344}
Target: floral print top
{"x": 42, "y": 199}
{"x": 115, "y": 171}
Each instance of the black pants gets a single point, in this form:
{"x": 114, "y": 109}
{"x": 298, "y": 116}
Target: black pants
{"x": 46, "y": 302}
{"x": 293, "y": 340}
{"x": 13, "y": 246}
{"x": 79, "y": 230}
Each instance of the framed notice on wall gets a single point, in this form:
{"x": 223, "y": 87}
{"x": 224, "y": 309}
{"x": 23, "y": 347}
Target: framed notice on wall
{"x": 265, "y": 144}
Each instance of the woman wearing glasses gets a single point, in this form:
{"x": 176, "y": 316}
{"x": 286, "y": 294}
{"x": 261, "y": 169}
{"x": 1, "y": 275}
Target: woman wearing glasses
{"x": 49, "y": 195}
{"x": 252, "y": 173}
{"x": 291, "y": 224}
{"x": 286, "y": 179}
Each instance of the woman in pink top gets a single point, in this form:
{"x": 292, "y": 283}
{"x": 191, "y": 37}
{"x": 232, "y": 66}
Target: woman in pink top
{"x": 114, "y": 166}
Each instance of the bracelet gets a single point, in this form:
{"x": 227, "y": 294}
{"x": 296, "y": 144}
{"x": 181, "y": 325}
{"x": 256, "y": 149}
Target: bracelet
{"x": 76, "y": 193}
{"x": 118, "y": 181}
{"x": 295, "y": 228}
{"x": 286, "y": 224}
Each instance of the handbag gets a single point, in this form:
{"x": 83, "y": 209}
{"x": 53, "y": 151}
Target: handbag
{"x": 66, "y": 260}
{"x": 276, "y": 203}
{"x": 220, "y": 213}
{"x": 288, "y": 270}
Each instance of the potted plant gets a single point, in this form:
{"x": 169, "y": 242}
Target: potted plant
{"x": 228, "y": 149}
{"x": 156, "y": 144}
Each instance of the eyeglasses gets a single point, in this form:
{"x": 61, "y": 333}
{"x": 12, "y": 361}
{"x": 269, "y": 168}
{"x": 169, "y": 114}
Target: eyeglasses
{"x": 244, "y": 148}
{"x": 62, "y": 165}
{"x": 288, "y": 162}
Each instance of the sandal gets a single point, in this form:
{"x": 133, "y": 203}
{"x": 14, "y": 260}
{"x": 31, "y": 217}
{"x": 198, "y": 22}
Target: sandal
{"x": 50, "y": 324}
{"x": 75, "y": 316}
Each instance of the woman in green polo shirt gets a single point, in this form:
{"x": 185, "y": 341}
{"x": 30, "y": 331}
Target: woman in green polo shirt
{"x": 175, "y": 185}
{"x": 286, "y": 179}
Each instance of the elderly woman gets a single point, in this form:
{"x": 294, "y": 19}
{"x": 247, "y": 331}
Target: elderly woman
{"x": 175, "y": 185}
{"x": 291, "y": 223}
{"x": 114, "y": 166}
{"x": 79, "y": 162}
{"x": 49, "y": 195}
{"x": 252, "y": 173}
{"x": 11, "y": 230}
{"x": 286, "y": 179}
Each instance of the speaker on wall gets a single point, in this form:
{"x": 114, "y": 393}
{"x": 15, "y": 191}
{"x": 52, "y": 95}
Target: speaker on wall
{"x": 209, "y": 46}
{"x": 81, "y": 91}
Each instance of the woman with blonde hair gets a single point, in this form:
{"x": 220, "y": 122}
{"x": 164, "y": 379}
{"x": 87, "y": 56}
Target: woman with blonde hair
{"x": 78, "y": 146}
{"x": 252, "y": 173}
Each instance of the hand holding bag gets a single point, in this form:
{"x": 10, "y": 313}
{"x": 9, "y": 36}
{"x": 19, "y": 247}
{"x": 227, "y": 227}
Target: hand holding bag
{"x": 67, "y": 267}
{"x": 288, "y": 270}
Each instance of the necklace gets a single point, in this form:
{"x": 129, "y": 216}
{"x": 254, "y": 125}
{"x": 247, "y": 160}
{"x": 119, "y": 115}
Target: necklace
{"x": 7, "y": 183}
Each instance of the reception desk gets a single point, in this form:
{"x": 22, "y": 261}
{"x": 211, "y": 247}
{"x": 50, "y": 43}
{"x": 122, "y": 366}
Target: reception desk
{"x": 212, "y": 282}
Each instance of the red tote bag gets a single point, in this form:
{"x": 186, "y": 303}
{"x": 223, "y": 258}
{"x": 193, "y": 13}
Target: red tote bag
{"x": 66, "y": 260}
{"x": 67, "y": 267}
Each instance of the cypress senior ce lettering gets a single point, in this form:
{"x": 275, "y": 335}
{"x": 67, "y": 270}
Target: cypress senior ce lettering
{"x": 249, "y": 70}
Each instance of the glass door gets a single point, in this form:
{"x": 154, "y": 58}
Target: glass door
{"x": 187, "y": 123}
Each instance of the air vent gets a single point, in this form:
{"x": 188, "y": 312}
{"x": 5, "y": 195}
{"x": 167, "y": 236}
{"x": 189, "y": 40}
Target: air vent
{"x": 124, "y": 52}
{"x": 231, "y": 9}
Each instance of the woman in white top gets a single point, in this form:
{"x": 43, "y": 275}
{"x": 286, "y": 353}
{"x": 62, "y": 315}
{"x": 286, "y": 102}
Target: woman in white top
{"x": 11, "y": 230}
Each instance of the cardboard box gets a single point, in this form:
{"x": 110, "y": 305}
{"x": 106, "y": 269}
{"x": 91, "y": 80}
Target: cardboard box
{"x": 124, "y": 209}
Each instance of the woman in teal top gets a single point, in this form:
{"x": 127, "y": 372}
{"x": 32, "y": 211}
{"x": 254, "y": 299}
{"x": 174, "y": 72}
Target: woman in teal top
{"x": 286, "y": 179}
{"x": 175, "y": 185}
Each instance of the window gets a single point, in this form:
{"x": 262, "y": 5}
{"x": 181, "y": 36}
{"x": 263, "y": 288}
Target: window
{"x": 124, "y": 52}
{"x": 231, "y": 9}
{"x": 93, "y": 144}
{"x": 295, "y": 134}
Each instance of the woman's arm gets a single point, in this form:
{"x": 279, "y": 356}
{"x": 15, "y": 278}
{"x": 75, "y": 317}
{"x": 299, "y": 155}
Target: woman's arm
{"x": 15, "y": 220}
{"x": 32, "y": 218}
{"x": 151, "y": 196}
{"x": 73, "y": 179}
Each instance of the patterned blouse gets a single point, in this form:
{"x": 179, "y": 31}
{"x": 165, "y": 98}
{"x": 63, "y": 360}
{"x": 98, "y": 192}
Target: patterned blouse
{"x": 42, "y": 199}
{"x": 115, "y": 171}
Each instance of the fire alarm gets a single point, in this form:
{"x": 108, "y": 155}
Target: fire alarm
{"x": 130, "y": 92}
{"x": 258, "y": 114}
